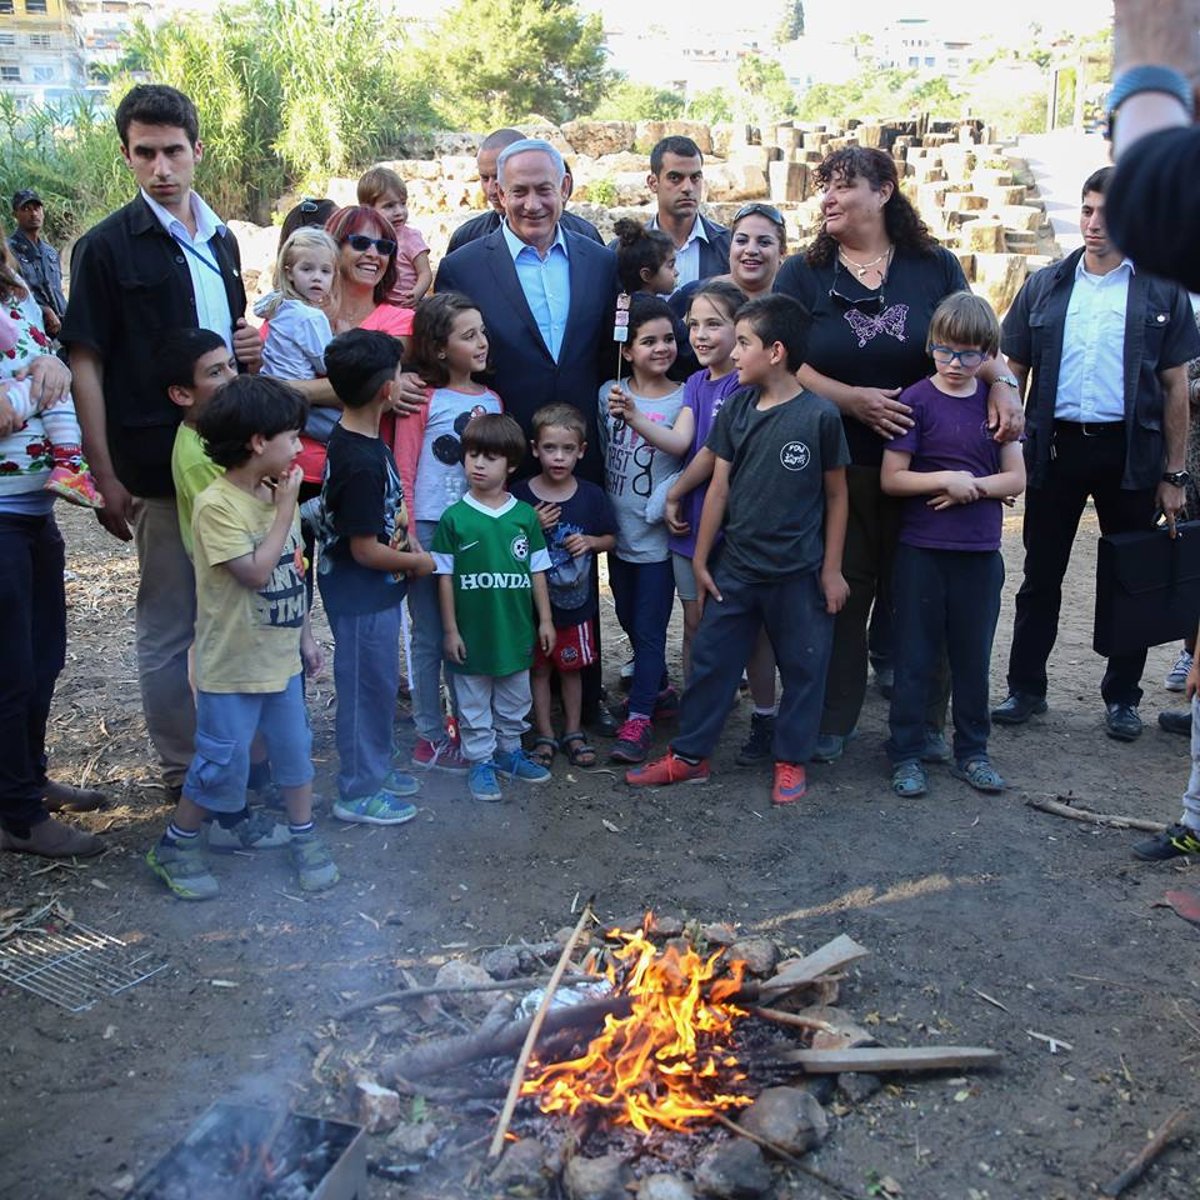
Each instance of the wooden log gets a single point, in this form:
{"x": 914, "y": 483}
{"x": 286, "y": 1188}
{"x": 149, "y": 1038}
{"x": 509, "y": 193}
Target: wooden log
{"x": 833, "y": 956}
{"x": 882, "y": 1058}
{"x": 1146, "y": 1155}
{"x": 1059, "y": 809}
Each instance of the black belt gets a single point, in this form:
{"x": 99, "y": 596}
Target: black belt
{"x": 1090, "y": 428}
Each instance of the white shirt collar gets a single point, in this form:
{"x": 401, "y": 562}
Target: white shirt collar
{"x": 698, "y": 230}
{"x": 516, "y": 245}
{"x": 207, "y": 221}
{"x": 1081, "y": 270}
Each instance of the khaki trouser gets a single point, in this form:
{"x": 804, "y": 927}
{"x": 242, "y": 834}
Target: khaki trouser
{"x": 165, "y": 626}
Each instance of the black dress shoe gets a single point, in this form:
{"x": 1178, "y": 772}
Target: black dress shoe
{"x": 1018, "y": 708}
{"x": 604, "y": 724}
{"x": 1176, "y": 720}
{"x": 1121, "y": 721}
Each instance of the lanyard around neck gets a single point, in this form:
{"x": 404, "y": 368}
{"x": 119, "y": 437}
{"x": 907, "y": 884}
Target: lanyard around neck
{"x": 210, "y": 263}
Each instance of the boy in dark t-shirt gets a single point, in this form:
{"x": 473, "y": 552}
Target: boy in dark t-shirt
{"x": 949, "y": 573}
{"x": 364, "y": 559}
{"x": 779, "y": 483}
{"x": 578, "y": 522}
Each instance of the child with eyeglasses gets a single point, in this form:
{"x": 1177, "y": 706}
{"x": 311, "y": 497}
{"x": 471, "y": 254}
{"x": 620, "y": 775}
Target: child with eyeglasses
{"x": 949, "y": 573}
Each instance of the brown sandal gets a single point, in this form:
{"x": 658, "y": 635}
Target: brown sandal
{"x": 578, "y": 750}
{"x": 543, "y": 751}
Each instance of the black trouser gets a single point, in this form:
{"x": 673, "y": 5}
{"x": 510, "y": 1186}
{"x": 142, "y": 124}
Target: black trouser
{"x": 1080, "y": 466}
{"x": 33, "y": 616}
{"x": 950, "y": 599}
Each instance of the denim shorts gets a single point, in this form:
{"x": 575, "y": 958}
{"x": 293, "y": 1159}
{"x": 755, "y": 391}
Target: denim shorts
{"x": 225, "y": 726}
{"x": 685, "y": 576}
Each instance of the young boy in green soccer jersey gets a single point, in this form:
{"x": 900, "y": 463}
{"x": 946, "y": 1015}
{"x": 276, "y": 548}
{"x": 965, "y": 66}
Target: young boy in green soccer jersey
{"x": 491, "y": 559}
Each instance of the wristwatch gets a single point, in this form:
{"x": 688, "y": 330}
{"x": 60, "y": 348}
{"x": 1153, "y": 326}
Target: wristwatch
{"x": 1177, "y": 478}
{"x": 1011, "y": 380}
{"x": 1149, "y": 79}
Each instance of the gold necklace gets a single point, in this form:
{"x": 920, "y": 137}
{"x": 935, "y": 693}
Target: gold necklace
{"x": 860, "y": 269}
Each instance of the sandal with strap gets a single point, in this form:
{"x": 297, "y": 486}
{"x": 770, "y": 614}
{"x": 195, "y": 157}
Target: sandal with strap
{"x": 578, "y": 750}
{"x": 909, "y": 779}
{"x": 980, "y": 774}
{"x": 543, "y": 751}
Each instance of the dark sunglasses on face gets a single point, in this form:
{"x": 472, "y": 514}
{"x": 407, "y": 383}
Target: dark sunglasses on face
{"x": 870, "y": 306}
{"x": 360, "y": 242}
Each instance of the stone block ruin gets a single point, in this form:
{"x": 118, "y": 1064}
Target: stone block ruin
{"x": 972, "y": 189}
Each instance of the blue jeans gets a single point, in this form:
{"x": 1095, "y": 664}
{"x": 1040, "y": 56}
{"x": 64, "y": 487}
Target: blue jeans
{"x": 792, "y": 610}
{"x": 426, "y": 616}
{"x": 366, "y": 675}
{"x": 225, "y": 726}
{"x": 644, "y": 594}
{"x": 951, "y": 598}
{"x": 33, "y": 616}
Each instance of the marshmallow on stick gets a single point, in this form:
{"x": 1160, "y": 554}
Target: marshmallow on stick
{"x": 621, "y": 335}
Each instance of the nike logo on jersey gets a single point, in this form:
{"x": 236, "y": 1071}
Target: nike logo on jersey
{"x": 468, "y": 546}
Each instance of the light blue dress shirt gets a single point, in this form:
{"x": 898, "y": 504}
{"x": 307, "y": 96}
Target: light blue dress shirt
{"x": 546, "y": 283}
{"x": 687, "y": 260}
{"x": 208, "y": 284}
{"x": 1091, "y": 373}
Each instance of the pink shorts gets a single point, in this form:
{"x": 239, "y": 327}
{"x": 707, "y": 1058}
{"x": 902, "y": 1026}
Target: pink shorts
{"x": 574, "y": 649}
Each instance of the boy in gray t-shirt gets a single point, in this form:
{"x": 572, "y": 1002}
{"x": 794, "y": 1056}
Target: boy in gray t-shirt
{"x": 779, "y": 484}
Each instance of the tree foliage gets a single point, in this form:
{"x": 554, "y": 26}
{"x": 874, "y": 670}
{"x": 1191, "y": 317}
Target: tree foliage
{"x": 791, "y": 22}
{"x": 629, "y": 101}
{"x": 499, "y": 61}
{"x": 765, "y": 90}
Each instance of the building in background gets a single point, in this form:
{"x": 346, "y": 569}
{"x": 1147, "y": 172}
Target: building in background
{"x": 41, "y": 51}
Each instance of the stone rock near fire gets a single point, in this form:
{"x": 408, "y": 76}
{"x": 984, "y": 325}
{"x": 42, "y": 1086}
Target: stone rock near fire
{"x": 411, "y": 1139}
{"x": 857, "y": 1088}
{"x": 787, "y": 1117}
{"x": 522, "y": 1170}
{"x": 502, "y": 963}
{"x": 376, "y": 1108}
{"x": 734, "y": 1170}
{"x": 665, "y": 1187}
{"x": 759, "y": 954}
{"x": 607, "y": 1178}
{"x": 464, "y": 974}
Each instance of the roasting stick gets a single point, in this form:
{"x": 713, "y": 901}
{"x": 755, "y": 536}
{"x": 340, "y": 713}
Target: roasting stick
{"x": 621, "y": 336}
{"x": 1148, "y": 1153}
{"x": 535, "y": 1027}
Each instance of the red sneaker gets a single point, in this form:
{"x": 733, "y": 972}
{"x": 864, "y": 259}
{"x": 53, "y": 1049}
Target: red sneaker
{"x": 633, "y": 741}
{"x": 440, "y": 756}
{"x": 791, "y": 783}
{"x": 76, "y": 487}
{"x": 668, "y": 769}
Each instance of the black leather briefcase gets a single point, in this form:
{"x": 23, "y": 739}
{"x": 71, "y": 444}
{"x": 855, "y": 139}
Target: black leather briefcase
{"x": 1147, "y": 588}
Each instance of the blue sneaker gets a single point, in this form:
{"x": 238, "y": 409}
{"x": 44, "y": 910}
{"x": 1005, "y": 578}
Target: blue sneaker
{"x": 382, "y": 808}
{"x": 482, "y": 782}
{"x": 399, "y": 783}
{"x": 516, "y": 764}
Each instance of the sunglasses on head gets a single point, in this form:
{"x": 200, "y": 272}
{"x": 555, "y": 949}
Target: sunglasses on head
{"x": 308, "y": 205}
{"x": 757, "y": 208}
{"x": 360, "y": 242}
{"x": 870, "y": 306}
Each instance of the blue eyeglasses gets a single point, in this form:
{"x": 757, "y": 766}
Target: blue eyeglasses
{"x": 945, "y": 356}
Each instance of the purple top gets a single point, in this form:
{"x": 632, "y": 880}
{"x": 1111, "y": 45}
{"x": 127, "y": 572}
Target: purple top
{"x": 704, "y": 397}
{"x": 950, "y": 433}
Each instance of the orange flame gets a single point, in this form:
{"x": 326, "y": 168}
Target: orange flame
{"x": 666, "y": 1063}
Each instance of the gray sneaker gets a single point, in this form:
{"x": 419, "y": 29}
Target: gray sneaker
{"x": 183, "y": 869}
{"x": 314, "y": 865}
{"x": 258, "y": 831}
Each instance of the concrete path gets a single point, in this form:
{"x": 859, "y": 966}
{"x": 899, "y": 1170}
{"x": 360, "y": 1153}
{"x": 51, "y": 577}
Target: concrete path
{"x": 1060, "y": 162}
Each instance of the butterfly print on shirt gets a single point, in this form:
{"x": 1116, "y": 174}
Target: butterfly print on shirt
{"x": 891, "y": 320}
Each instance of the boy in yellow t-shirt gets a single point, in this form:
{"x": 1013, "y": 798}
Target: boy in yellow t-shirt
{"x": 252, "y": 633}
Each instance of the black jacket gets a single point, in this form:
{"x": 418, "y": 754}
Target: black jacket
{"x": 714, "y": 253}
{"x": 489, "y": 222}
{"x": 130, "y": 284}
{"x": 1160, "y": 332}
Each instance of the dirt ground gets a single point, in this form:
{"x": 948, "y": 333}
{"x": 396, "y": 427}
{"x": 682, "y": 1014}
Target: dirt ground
{"x": 955, "y": 894}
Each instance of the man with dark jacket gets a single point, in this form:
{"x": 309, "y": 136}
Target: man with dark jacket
{"x": 489, "y": 222}
{"x": 38, "y": 259}
{"x": 1106, "y": 417}
{"x": 164, "y": 262}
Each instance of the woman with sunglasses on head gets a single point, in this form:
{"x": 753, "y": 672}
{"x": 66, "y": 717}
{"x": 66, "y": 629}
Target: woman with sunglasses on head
{"x": 872, "y": 279}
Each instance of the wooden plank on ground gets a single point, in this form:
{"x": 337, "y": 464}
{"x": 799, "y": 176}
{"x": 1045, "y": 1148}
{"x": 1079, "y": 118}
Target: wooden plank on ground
{"x": 833, "y": 956}
{"x": 882, "y": 1058}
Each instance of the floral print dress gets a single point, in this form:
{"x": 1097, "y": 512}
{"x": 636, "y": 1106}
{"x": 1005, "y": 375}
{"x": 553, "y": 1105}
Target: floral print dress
{"x": 25, "y": 454}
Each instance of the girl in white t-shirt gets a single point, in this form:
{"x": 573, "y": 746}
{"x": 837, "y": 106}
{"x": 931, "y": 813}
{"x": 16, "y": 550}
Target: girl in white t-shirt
{"x": 306, "y": 274}
{"x": 449, "y": 348}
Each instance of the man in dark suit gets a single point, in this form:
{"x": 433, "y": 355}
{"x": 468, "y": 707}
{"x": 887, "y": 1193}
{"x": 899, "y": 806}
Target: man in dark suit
{"x": 677, "y": 180}
{"x": 489, "y": 222}
{"x": 548, "y": 298}
{"x": 547, "y": 295}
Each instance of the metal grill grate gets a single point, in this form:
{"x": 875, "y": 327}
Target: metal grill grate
{"x": 69, "y": 964}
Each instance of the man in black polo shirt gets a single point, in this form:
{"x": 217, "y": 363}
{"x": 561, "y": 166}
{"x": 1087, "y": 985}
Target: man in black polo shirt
{"x": 163, "y": 262}
{"x": 39, "y": 263}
